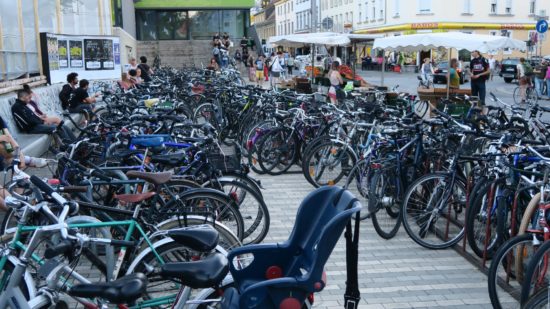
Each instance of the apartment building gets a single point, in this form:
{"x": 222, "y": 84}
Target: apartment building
{"x": 341, "y": 12}
{"x": 285, "y": 18}
{"x": 303, "y": 11}
{"x": 512, "y": 18}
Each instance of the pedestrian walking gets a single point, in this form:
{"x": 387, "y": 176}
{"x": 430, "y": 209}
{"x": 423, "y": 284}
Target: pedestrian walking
{"x": 547, "y": 80}
{"x": 276, "y": 69}
{"x": 259, "y": 64}
{"x": 492, "y": 66}
{"x": 427, "y": 70}
{"x": 540, "y": 74}
{"x": 480, "y": 71}
{"x": 290, "y": 64}
{"x": 525, "y": 71}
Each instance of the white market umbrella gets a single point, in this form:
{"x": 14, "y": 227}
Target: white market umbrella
{"x": 448, "y": 40}
{"x": 321, "y": 38}
{"x": 458, "y": 40}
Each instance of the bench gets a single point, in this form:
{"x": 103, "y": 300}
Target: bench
{"x": 35, "y": 144}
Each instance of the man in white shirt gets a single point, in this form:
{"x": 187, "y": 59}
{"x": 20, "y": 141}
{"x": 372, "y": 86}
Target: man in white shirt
{"x": 492, "y": 65}
{"x": 276, "y": 68}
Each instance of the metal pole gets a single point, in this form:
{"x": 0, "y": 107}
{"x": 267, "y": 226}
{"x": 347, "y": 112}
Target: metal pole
{"x": 449, "y": 72}
{"x": 383, "y": 68}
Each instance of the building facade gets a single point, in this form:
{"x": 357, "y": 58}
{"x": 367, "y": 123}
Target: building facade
{"x": 284, "y": 17}
{"x": 180, "y": 32}
{"x": 340, "y": 11}
{"x": 512, "y": 18}
{"x": 264, "y": 22}
{"x": 21, "y": 22}
{"x": 303, "y": 11}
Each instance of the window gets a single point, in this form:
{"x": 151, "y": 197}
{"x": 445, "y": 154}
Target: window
{"x": 493, "y": 6}
{"x": 532, "y": 6}
{"x": 373, "y": 15}
{"x": 347, "y": 17}
{"x": 467, "y": 7}
{"x": 424, "y": 6}
{"x": 508, "y": 8}
{"x": 396, "y": 8}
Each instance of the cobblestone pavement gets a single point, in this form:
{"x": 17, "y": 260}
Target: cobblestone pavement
{"x": 394, "y": 273}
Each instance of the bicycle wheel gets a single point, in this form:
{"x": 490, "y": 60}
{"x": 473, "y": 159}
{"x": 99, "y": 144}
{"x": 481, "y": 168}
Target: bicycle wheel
{"x": 207, "y": 113}
{"x": 384, "y": 191}
{"x": 251, "y": 207}
{"x": 477, "y": 220}
{"x": 539, "y": 301}
{"x": 531, "y": 96}
{"x": 517, "y": 95}
{"x": 504, "y": 274}
{"x": 277, "y": 151}
{"x": 328, "y": 163}
{"x": 227, "y": 239}
{"x": 536, "y": 276}
{"x": 358, "y": 182}
{"x": 161, "y": 291}
{"x": 207, "y": 203}
{"x": 433, "y": 213}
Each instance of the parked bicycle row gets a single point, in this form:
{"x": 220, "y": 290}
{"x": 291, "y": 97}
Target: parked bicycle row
{"x": 147, "y": 208}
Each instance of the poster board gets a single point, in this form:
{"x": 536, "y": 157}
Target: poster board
{"x": 92, "y": 57}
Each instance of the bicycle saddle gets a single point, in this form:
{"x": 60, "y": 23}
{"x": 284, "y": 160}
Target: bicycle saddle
{"x": 202, "y": 238}
{"x": 124, "y": 290}
{"x": 154, "y": 178}
{"x": 200, "y": 274}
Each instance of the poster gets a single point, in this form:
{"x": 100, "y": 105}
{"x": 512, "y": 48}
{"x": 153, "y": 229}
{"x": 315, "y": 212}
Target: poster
{"x": 75, "y": 48}
{"x": 98, "y": 54}
{"x": 63, "y": 54}
{"x": 53, "y": 55}
{"x": 107, "y": 56}
{"x": 92, "y": 57}
{"x": 116, "y": 49}
{"x": 92, "y": 53}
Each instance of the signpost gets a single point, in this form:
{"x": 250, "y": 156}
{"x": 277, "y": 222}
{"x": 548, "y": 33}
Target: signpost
{"x": 542, "y": 27}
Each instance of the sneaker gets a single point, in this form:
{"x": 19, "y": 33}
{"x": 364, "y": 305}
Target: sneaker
{"x": 37, "y": 162}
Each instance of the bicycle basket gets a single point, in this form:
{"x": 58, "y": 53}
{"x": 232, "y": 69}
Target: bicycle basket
{"x": 224, "y": 163}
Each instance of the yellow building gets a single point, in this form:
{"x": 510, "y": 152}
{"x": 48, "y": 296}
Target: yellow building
{"x": 512, "y": 18}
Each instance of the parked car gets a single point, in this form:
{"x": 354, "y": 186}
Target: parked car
{"x": 508, "y": 69}
{"x": 440, "y": 76}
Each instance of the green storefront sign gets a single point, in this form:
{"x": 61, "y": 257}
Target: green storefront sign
{"x": 193, "y": 4}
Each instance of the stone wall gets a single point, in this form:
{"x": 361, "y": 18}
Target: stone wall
{"x": 177, "y": 53}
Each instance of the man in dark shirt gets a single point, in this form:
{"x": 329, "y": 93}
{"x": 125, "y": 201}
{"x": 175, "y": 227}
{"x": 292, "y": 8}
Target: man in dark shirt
{"x": 81, "y": 101}
{"x": 146, "y": 70}
{"x": 540, "y": 74}
{"x": 479, "y": 67}
{"x": 67, "y": 90}
{"x": 28, "y": 122}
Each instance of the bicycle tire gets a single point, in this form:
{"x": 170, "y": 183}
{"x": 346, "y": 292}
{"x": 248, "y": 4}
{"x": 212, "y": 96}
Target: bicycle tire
{"x": 458, "y": 207}
{"x": 209, "y": 203}
{"x": 516, "y": 95}
{"x": 538, "y": 300}
{"x": 278, "y": 151}
{"x": 532, "y": 268}
{"x": 169, "y": 251}
{"x": 328, "y": 155}
{"x": 228, "y": 240}
{"x": 256, "y": 217}
{"x": 503, "y": 257}
{"x": 385, "y": 218}
{"x": 476, "y": 220}
{"x": 361, "y": 174}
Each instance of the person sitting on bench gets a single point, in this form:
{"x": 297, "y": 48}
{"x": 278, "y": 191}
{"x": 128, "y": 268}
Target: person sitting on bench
{"x": 28, "y": 122}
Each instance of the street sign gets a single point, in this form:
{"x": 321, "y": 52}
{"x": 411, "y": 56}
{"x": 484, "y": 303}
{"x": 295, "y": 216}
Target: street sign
{"x": 327, "y": 23}
{"x": 542, "y": 26}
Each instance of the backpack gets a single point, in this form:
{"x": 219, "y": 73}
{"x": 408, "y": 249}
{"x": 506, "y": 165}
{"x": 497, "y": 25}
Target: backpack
{"x": 528, "y": 69}
{"x": 65, "y": 96}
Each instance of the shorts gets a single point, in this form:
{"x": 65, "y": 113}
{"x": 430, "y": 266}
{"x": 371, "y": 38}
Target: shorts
{"x": 275, "y": 74}
{"x": 259, "y": 74}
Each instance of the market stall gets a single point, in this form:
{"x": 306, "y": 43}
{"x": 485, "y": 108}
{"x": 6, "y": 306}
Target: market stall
{"x": 446, "y": 40}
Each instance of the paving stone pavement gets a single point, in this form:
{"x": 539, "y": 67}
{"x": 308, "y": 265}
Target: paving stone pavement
{"x": 394, "y": 273}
